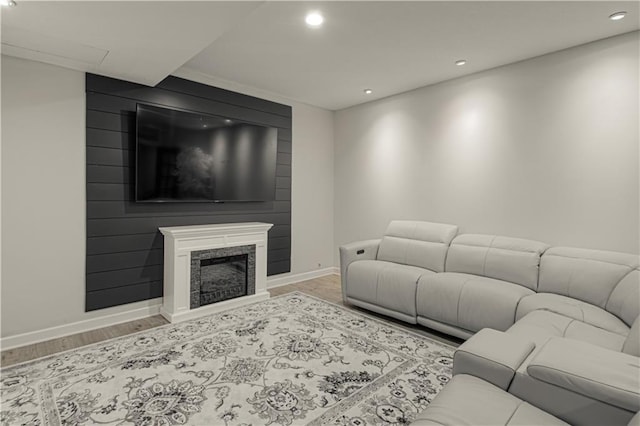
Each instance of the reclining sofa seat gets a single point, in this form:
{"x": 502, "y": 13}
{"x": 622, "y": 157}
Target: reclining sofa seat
{"x": 382, "y": 275}
{"x": 585, "y": 319}
{"x": 587, "y": 295}
{"x": 485, "y": 278}
{"x": 571, "y": 351}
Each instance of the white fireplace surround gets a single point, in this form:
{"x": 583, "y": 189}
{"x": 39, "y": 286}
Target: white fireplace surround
{"x": 180, "y": 241}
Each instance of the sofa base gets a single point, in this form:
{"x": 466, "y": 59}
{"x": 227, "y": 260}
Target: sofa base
{"x": 378, "y": 309}
{"x": 445, "y": 328}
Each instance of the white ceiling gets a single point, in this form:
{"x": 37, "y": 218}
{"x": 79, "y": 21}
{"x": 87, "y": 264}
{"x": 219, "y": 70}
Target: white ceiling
{"x": 388, "y": 46}
{"x": 141, "y": 42}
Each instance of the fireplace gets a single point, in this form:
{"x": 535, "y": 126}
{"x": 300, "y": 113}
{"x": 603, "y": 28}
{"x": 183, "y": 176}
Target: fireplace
{"x": 225, "y": 263}
{"x": 222, "y": 274}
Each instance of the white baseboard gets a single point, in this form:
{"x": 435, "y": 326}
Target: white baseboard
{"x": 279, "y": 281}
{"x": 30, "y": 338}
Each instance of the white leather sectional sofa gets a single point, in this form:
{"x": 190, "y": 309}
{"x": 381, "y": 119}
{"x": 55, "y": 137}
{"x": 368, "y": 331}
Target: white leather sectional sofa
{"x": 553, "y": 332}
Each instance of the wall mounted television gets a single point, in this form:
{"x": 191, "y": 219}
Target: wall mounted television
{"x": 184, "y": 156}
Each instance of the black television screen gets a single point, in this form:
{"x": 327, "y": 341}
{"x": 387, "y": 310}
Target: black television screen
{"x": 190, "y": 157}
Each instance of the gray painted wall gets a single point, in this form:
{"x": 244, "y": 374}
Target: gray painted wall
{"x": 546, "y": 149}
{"x": 124, "y": 247}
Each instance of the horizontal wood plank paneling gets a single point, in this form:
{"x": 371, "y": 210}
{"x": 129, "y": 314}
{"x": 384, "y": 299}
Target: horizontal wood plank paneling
{"x": 283, "y": 194}
{"x": 227, "y": 96}
{"x": 278, "y": 255}
{"x": 123, "y": 260}
{"x": 123, "y": 88}
{"x": 124, "y": 243}
{"x": 145, "y": 225}
{"x": 124, "y": 122}
{"x": 110, "y": 156}
{"x": 283, "y": 182}
{"x": 283, "y": 170}
{"x": 280, "y": 231}
{"x": 115, "y": 209}
{"x": 278, "y": 267}
{"x": 100, "y": 299}
{"x": 124, "y": 247}
{"x": 110, "y": 139}
{"x": 122, "y": 277}
{"x": 186, "y": 102}
{"x": 284, "y": 146}
{"x": 109, "y": 174}
{"x": 279, "y": 242}
{"x": 284, "y": 158}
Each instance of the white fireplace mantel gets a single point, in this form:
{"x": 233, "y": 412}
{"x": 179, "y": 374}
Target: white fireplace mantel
{"x": 180, "y": 241}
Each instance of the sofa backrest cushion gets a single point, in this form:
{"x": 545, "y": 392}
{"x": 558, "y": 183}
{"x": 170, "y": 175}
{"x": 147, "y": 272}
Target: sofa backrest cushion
{"x": 502, "y": 258}
{"x": 632, "y": 344}
{"x": 415, "y": 243}
{"x": 587, "y": 275}
{"x": 624, "y": 301}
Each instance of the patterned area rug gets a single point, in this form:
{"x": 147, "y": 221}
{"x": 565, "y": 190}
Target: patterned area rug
{"x": 293, "y": 359}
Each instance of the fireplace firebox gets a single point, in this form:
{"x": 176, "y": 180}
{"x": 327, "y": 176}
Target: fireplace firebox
{"x": 222, "y": 274}
{"x": 223, "y": 278}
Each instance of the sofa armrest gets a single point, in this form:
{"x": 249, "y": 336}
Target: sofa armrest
{"x": 597, "y": 373}
{"x": 492, "y": 355}
{"x": 360, "y": 250}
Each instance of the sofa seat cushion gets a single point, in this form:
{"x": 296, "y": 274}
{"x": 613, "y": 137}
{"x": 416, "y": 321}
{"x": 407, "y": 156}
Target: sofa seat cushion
{"x": 386, "y": 284}
{"x": 469, "y": 301}
{"x": 539, "y": 326}
{"x": 572, "y": 308}
{"x": 467, "y": 400}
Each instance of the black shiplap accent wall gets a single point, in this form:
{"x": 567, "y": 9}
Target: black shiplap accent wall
{"x": 124, "y": 246}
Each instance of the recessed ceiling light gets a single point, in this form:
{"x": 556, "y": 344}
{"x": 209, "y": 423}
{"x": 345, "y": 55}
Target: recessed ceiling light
{"x": 9, "y": 3}
{"x": 617, "y": 16}
{"x": 314, "y": 19}
{"x": 204, "y": 125}
{"x": 368, "y": 91}
{"x": 461, "y": 62}
{"x": 227, "y": 121}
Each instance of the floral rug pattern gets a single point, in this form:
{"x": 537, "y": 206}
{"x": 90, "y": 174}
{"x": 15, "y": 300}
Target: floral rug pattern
{"x": 289, "y": 360}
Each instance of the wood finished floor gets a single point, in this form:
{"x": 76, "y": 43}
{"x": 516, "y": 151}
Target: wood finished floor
{"x": 326, "y": 288}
